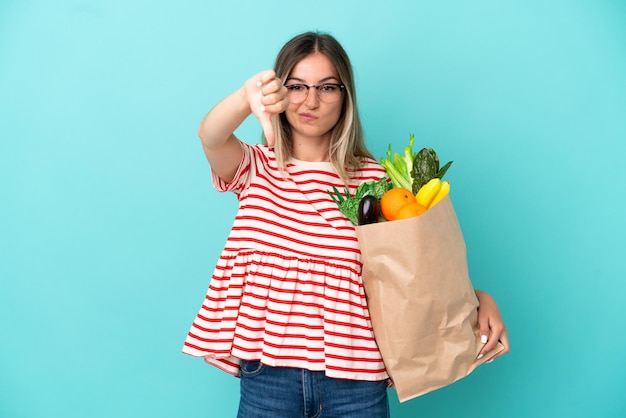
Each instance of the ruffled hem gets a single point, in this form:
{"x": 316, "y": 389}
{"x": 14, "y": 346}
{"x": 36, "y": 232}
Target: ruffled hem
{"x": 286, "y": 311}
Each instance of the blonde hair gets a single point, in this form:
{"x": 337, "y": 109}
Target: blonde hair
{"x": 347, "y": 149}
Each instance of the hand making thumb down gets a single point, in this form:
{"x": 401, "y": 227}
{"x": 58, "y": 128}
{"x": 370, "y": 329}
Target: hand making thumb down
{"x": 267, "y": 97}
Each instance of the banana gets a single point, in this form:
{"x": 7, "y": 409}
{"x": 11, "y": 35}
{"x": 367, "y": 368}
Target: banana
{"x": 443, "y": 192}
{"x": 427, "y": 192}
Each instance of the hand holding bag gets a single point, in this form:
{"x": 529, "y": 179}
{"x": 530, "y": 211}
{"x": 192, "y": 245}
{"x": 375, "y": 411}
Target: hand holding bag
{"x": 422, "y": 304}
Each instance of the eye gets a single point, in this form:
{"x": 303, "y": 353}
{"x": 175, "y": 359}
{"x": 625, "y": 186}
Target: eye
{"x": 295, "y": 87}
{"x": 328, "y": 88}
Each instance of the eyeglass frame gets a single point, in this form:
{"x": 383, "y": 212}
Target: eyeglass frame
{"x": 342, "y": 88}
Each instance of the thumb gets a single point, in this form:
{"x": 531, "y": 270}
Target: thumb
{"x": 268, "y": 129}
{"x": 255, "y": 96}
{"x": 264, "y": 117}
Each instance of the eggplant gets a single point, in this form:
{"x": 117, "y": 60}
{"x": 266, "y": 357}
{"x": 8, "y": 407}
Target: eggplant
{"x": 368, "y": 212}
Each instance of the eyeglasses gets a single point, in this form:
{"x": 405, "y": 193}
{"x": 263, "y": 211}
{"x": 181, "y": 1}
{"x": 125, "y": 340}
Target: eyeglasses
{"x": 327, "y": 93}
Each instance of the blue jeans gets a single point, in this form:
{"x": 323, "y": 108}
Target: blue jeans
{"x": 276, "y": 392}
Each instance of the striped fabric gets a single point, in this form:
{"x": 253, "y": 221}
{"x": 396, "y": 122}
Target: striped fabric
{"x": 287, "y": 288}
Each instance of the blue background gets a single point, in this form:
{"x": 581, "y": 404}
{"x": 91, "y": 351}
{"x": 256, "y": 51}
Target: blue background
{"x": 110, "y": 228}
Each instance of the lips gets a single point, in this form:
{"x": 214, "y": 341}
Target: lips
{"x": 307, "y": 117}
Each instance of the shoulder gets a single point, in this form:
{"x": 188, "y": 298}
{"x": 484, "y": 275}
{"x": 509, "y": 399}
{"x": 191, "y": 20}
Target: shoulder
{"x": 368, "y": 162}
{"x": 259, "y": 154}
{"x": 370, "y": 169}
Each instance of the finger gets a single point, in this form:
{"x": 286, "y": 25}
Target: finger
{"x": 273, "y": 86}
{"x": 496, "y": 330}
{"x": 265, "y": 77}
{"x": 504, "y": 340}
{"x": 274, "y": 103}
{"x": 483, "y": 326}
{"x": 273, "y": 92}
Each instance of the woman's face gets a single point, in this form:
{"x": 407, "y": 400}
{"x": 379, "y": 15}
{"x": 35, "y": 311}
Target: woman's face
{"x": 313, "y": 118}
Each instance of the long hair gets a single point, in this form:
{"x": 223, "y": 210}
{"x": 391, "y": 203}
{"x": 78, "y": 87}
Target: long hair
{"x": 347, "y": 146}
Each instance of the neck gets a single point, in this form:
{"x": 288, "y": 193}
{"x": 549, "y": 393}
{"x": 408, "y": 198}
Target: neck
{"x": 313, "y": 150}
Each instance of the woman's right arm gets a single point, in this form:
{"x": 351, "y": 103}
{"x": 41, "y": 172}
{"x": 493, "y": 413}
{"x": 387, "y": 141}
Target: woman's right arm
{"x": 264, "y": 96}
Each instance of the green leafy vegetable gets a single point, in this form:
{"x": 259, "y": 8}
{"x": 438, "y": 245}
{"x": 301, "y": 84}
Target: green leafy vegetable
{"x": 373, "y": 188}
{"x": 349, "y": 205}
{"x": 425, "y": 168}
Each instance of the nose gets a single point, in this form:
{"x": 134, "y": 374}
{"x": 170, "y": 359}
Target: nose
{"x": 312, "y": 99}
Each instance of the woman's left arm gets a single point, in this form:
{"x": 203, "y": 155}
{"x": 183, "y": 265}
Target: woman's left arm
{"x": 492, "y": 328}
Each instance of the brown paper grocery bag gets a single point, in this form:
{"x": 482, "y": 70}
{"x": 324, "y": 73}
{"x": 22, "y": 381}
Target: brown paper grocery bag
{"x": 421, "y": 300}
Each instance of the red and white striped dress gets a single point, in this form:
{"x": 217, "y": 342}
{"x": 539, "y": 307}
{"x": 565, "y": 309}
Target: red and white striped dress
{"x": 287, "y": 288}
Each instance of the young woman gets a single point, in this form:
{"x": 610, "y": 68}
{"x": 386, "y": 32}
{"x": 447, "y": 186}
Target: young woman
{"x": 286, "y": 310}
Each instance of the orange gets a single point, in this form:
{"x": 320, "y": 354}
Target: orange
{"x": 393, "y": 200}
{"x": 410, "y": 210}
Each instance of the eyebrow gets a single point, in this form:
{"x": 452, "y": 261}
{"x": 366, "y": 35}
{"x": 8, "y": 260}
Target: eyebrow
{"x": 323, "y": 80}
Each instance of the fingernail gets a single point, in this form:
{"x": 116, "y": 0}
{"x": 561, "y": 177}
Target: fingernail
{"x": 483, "y": 339}
{"x": 489, "y": 361}
{"x": 262, "y": 108}
{"x": 259, "y": 84}
{"x": 479, "y": 356}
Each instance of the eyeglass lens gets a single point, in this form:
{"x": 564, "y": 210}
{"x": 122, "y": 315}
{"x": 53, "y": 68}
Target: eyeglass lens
{"x": 328, "y": 93}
